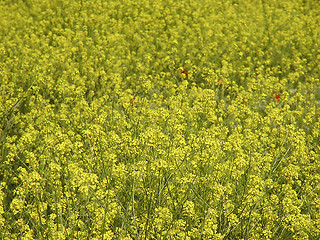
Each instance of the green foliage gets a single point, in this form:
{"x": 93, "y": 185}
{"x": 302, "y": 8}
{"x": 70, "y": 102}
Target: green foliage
{"x": 159, "y": 119}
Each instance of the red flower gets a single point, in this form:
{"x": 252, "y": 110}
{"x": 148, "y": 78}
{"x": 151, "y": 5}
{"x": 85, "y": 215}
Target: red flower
{"x": 133, "y": 101}
{"x": 184, "y": 72}
{"x": 276, "y": 96}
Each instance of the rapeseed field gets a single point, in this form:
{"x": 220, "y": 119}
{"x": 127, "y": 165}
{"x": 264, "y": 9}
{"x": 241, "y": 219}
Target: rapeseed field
{"x": 191, "y": 119}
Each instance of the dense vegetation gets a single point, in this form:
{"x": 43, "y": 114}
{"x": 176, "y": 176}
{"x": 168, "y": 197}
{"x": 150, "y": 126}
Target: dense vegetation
{"x": 192, "y": 119}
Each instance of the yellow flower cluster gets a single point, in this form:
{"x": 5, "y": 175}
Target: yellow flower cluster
{"x": 159, "y": 119}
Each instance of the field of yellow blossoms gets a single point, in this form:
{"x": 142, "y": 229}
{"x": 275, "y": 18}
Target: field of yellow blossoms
{"x": 191, "y": 119}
